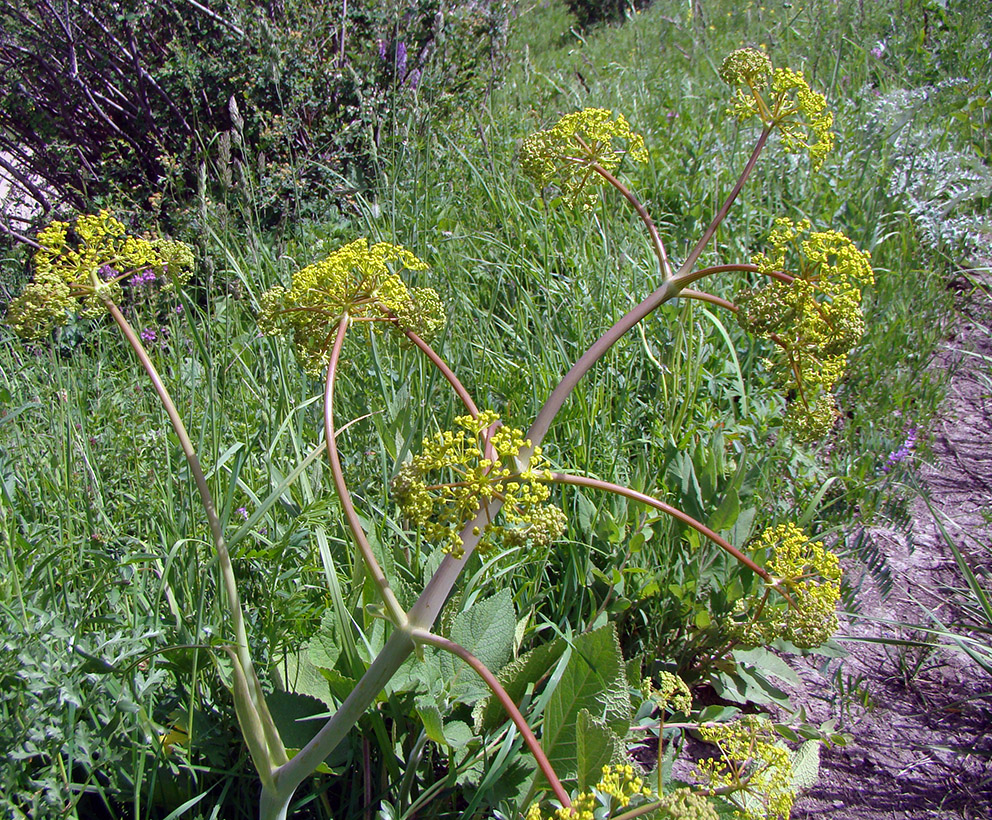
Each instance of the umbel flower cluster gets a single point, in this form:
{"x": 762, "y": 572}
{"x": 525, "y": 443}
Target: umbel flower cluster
{"x": 475, "y": 463}
{"x": 672, "y": 694}
{"x": 814, "y": 316}
{"x": 779, "y": 97}
{"x": 621, "y": 787}
{"x": 753, "y": 764}
{"x": 357, "y": 280}
{"x": 810, "y": 574}
{"x": 568, "y": 153}
{"x": 80, "y": 267}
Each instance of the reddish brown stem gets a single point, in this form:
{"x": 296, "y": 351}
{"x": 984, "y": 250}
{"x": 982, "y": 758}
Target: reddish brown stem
{"x": 642, "y": 212}
{"x": 396, "y": 612}
{"x": 446, "y": 371}
{"x": 668, "y": 509}
{"x": 483, "y": 671}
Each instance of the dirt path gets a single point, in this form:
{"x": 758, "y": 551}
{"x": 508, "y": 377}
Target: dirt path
{"x": 922, "y": 735}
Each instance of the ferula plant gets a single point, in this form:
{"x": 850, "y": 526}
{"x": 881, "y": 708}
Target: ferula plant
{"x": 485, "y": 485}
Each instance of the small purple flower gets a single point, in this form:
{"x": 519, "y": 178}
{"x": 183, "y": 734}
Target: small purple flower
{"x": 242, "y": 512}
{"x": 414, "y": 79}
{"x": 878, "y": 50}
{"x": 905, "y": 451}
{"x": 106, "y": 273}
{"x": 179, "y": 310}
{"x": 401, "y": 59}
{"x": 146, "y": 277}
{"x": 382, "y": 48}
{"x": 148, "y": 335}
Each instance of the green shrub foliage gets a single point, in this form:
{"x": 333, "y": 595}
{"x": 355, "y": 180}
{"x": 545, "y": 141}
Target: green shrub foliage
{"x": 279, "y": 100}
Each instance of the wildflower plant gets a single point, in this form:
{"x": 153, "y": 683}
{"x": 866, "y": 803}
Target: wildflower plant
{"x": 79, "y": 267}
{"x": 485, "y": 486}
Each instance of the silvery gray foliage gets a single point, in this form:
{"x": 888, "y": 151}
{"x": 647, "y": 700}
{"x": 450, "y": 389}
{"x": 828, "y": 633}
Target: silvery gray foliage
{"x": 935, "y": 170}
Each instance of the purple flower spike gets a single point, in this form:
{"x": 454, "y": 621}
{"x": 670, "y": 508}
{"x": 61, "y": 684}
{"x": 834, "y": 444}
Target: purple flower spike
{"x": 148, "y": 335}
{"x": 401, "y": 59}
{"x": 905, "y": 451}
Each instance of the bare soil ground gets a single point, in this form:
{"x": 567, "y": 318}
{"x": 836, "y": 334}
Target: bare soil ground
{"x": 923, "y": 733}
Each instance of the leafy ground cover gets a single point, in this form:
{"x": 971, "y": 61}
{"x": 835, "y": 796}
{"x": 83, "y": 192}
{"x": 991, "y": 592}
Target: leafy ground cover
{"x": 114, "y": 699}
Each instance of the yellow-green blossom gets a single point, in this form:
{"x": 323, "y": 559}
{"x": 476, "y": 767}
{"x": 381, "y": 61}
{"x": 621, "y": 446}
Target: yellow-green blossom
{"x": 781, "y": 98}
{"x": 620, "y": 789}
{"x": 672, "y": 693}
{"x": 79, "y": 267}
{"x": 810, "y": 574}
{"x": 358, "y": 280}
{"x": 566, "y": 153}
{"x": 753, "y": 770}
{"x": 815, "y": 318}
{"x": 464, "y": 473}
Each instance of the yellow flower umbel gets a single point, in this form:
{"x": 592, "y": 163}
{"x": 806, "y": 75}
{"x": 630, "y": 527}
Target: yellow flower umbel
{"x": 815, "y": 319}
{"x": 780, "y": 97}
{"x": 80, "y": 266}
{"x": 753, "y": 771}
{"x": 621, "y": 788}
{"x": 440, "y": 510}
{"x": 358, "y": 280}
{"x": 810, "y": 574}
{"x": 565, "y": 154}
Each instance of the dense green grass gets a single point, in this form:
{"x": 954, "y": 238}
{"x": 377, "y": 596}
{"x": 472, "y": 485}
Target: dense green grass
{"x": 107, "y": 590}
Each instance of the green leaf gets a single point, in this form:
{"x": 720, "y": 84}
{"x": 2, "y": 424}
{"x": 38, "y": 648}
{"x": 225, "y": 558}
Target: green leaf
{"x": 297, "y": 675}
{"x": 767, "y": 664}
{"x": 323, "y": 648}
{"x": 429, "y": 713}
{"x": 295, "y": 716}
{"x": 806, "y": 765}
{"x": 516, "y": 676}
{"x": 725, "y": 516}
{"x": 593, "y": 680}
{"x": 596, "y": 745}
{"x": 485, "y": 629}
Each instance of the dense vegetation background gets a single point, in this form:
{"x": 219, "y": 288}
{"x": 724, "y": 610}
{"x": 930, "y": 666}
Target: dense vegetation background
{"x": 267, "y": 135}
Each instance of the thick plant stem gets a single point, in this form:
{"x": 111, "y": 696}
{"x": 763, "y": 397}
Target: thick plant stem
{"x": 273, "y": 746}
{"x": 399, "y": 645}
{"x": 424, "y": 636}
{"x": 395, "y": 612}
{"x": 668, "y": 509}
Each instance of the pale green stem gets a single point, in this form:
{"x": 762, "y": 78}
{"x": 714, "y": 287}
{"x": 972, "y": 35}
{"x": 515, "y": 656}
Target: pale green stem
{"x": 425, "y": 636}
{"x": 275, "y": 751}
{"x": 395, "y": 612}
{"x": 398, "y": 647}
